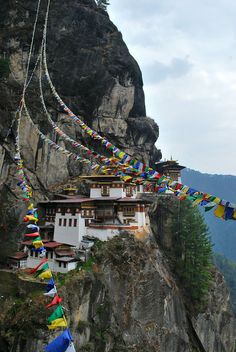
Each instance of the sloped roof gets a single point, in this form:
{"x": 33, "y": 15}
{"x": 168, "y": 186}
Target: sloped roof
{"x": 18, "y": 255}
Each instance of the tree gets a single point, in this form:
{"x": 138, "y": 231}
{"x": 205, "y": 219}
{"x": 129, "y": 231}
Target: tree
{"x": 192, "y": 251}
{"x": 102, "y": 4}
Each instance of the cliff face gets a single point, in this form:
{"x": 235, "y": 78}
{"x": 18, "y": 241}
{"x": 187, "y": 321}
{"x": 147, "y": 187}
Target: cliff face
{"x": 94, "y": 73}
{"x": 127, "y": 300}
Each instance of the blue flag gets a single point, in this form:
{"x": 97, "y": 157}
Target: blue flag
{"x": 50, "y": 285}
{"x": 61, "y": 342}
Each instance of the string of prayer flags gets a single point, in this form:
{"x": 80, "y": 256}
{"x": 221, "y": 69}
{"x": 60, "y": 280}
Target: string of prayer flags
{"x": 61, "y": 342}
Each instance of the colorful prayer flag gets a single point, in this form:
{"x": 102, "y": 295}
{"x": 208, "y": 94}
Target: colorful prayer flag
{"x": 61, "y": 343}
{"x": 56, "y": 300}
{"x": 57, "y": 323}
{"x": 58, "y": 313}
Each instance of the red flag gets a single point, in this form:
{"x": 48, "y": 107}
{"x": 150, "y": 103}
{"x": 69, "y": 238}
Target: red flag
{"x": 34, "y": 234}
{"x": 56, "y": 300}
{"x": 38, "y": 266}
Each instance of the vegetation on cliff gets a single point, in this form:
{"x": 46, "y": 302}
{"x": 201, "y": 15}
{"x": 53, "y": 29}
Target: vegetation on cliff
{"x": 228, "y": 269}
{"x": 192, "y": 252}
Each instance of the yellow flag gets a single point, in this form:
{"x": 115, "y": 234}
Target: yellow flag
{"x": 197, "y": 201}
{"x": 234, "y": 214}
{"x": 31, "y": 206}
{"x": 217, "y": 200}
{"x": 38, "y": 244}
{"x": 127, "y": 178}
{"x": 47, "y": 274}
{"x": 220, "y": 210}
{"x": 57, "y": 323}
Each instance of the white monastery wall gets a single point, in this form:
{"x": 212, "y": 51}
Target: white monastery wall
{"x": 68, "y": 234}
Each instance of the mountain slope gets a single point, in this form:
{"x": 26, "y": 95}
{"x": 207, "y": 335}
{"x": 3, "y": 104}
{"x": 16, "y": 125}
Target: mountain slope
{"x": 223, "y": 233}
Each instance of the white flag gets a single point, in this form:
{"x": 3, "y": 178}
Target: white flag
{"x": 71, "y": 348}
{"x": 51, "y": 293}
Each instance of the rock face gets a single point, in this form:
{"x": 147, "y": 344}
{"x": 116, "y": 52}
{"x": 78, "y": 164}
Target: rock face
{"x": 127, "y": 300}
{"x": 94, "y": 73}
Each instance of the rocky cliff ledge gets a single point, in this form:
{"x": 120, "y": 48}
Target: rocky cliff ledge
{"x": 126, "y": 299}
{"x": 94, "y": 73}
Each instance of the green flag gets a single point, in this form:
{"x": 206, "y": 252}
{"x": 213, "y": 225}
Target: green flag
{"x": 58, "y": 313}
{"x": 44, "y": 268}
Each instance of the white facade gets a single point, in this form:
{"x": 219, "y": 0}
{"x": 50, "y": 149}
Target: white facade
{"x": 68, "y": 228}
{"x": 112, "y": 190}
{"x": 63, "y": 267}
{"x": 56, "y": 266}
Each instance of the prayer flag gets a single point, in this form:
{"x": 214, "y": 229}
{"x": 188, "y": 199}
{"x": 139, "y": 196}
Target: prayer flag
{"x": 46, "y": 274}
{"x": 37, "y": 243}
{"x": 40, "y": 271}
{"x": 34, "y": 234}
{"x": 58, "y": 313}
{"x": 38, "y": 266}
{"x": 57, "y": 323}
{"x": 51, "y": 293}
{"x": 56, "y": 300}
{"x": 61, "y": 343}
{"x": 209, "y": 206}
{"x": 71, "y": 348}
{"x": 50, "y": 285}
{"x": 219, "y": 212}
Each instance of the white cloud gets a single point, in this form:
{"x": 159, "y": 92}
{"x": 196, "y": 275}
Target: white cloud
{"x": 187, "y": 52}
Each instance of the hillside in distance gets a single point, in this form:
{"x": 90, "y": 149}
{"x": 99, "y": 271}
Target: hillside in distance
{"x": 223, "y": 233}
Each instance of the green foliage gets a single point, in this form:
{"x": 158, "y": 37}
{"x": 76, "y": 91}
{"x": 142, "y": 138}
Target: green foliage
{"x": 102, "y": 4}
{"x": 228, "y": 269}
{"x": 87, "y": 266}
{"x": 4, "y": 67}
{"x": 192, "y": 252}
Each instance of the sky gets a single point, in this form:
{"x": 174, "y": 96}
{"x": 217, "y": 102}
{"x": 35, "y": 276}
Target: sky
{"x": 186, "y": 50}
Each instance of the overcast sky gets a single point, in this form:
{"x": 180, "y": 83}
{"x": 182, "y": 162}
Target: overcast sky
{"x": 186, "y": 50}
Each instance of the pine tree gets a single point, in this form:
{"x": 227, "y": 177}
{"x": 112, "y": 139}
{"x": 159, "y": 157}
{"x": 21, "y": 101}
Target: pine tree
{"x": 192, "y": 251}
{"x": 102, "y": 4}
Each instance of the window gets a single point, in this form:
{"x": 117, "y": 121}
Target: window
{"x": 47, "y": 255}
{"x": 64, "y": 265}
{"x": 59, "y": 264}
{"x": 51, "y": 255}
{"x": 63, "y": 211}
{"x": 129, "y": 191}
{"x": 36, "y": 254}
{"x": 87, "y": 222}
{"x": 31, "y": 253}
{"x": 105, "y": 190}
{"x": 73, "y": 211}
{"x": 60, "y": 221}
{"x": 75, "y": 222}
{"x": 64, "y": 222}
{"x": 129, "y": 211}
{"x": 70, "y": 222}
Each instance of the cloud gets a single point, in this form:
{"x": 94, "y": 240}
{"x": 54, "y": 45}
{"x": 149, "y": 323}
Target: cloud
{"x": 158, "y": 71}
{"x": 187, "y": 53}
